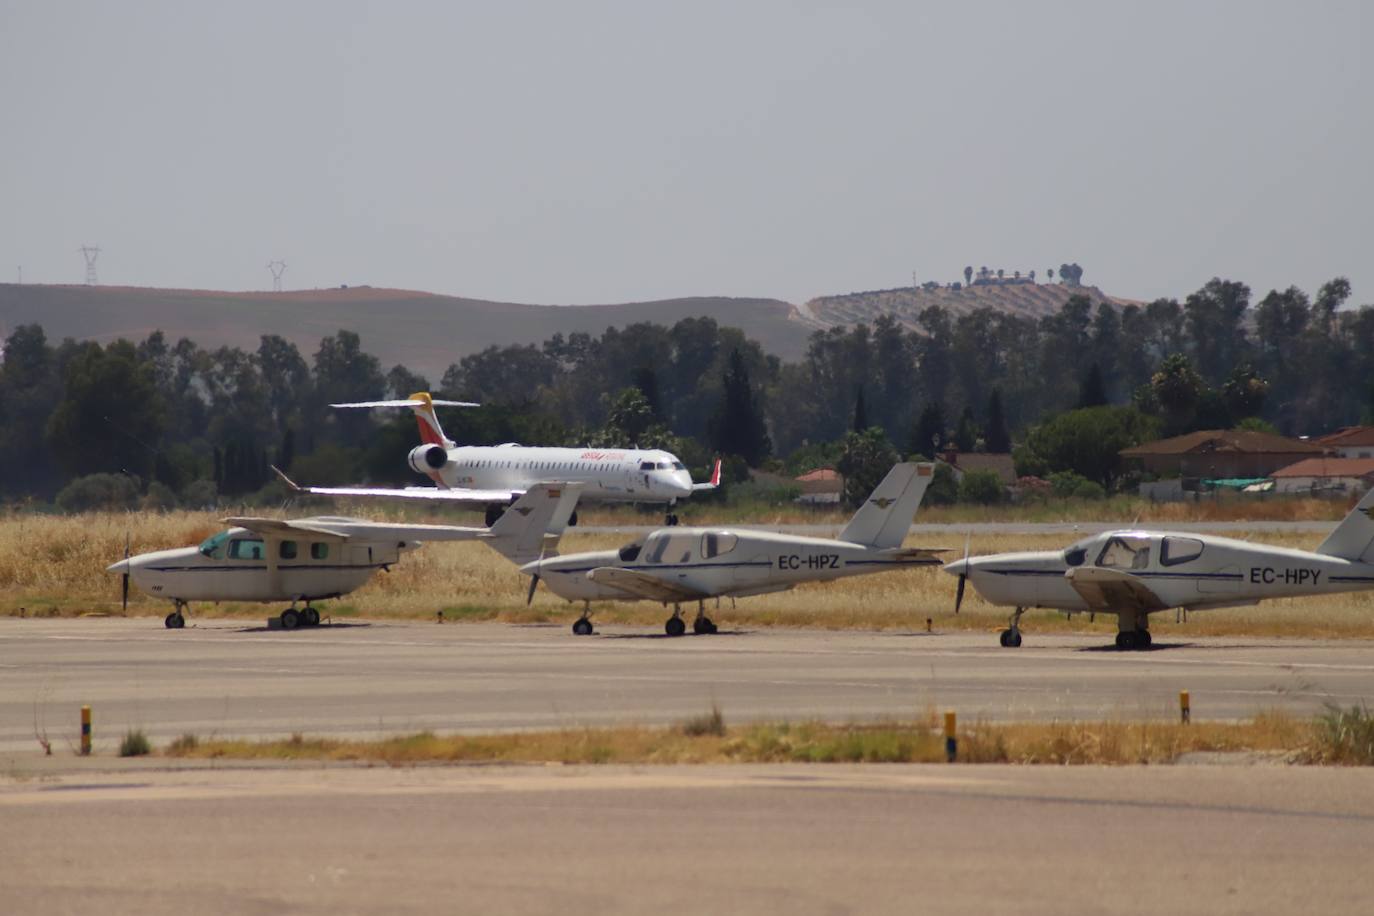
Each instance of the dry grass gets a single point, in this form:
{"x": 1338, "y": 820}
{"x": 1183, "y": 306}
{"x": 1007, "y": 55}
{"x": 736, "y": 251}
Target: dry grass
{"x": 55, "y": 565}
{"x": 812, "y": 742}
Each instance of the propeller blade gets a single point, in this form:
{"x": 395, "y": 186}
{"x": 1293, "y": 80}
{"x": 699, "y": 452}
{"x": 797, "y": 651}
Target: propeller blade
{"x": 124, "y": 597}
{"x": 959, "y": 593}
{"x": 534, "y": 583}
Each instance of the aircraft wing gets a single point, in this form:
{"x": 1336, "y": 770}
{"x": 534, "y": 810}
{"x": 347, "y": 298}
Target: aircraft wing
{"x": 276, "y": 527}
{"x": 456, "y": 495}
{"x": 1113, "y": 589}
{"x": 643, "y": 585}
{"x": 916, "y": 554}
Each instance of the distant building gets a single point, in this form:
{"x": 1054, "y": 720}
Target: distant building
{"x": 1350, "y": 442}
{"x": 823, "y": 486}
{"x": 1348, "y": 475}
{"x": 999, "y": 463}
{"x": 1210, "y": 454}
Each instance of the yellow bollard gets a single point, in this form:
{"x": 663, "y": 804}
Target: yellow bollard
{"x": 1185, "y": 708}
{"x": 951, "y": 741}
{"x": 85, "y": 731}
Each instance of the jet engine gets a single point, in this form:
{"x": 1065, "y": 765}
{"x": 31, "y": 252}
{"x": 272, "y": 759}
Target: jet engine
{"x": 426, "y": 459}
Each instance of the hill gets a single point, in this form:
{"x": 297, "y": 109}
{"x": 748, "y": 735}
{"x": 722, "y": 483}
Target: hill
{"x": 1026, "y": 299}
{"x": 423, "y": 331}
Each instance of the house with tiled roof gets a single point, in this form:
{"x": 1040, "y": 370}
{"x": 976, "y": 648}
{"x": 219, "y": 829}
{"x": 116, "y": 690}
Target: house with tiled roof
{"x": 1000, "y": 463}
{"x": 1222, "y": 453}
{"x": 1325, "y": 475}
{"x": 1350, "y": 442}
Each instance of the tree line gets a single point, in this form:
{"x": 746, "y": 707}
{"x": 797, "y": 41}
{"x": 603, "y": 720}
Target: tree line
{"x": 179, "y": 422}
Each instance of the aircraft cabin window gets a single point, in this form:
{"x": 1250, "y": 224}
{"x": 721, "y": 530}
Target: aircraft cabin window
{"x": 287, "y": 550}
{"x": 245, "y": 549}
{"x": 214, "y": 546}
{"x": 1075, "y": 556}
{"x": 319, "y": 550}
{"x": 630, "y": 552}
{"x": 714, "y": 544}
{"x": 656, "y": 547}
{"x": 1125, "y": 553}
{"x": 1179, "y": 550}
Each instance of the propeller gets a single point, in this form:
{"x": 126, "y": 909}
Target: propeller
{"x": 534, "y": 583}
{"x": 124, "y": 585}
{"x": 963, "y": 577}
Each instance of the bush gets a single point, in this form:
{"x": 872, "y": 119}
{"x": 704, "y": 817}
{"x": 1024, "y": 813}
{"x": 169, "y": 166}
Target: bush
{"x": 1065, "y": 484}
{"x": 109, "y": 492}
{"x": 982, "y": 487}
{"x": 159, "y": 497}
{"x": 1346, "y": 736}
{"x": 944, "y": 488}
{"x": 200, "y": 494}
{"x": 1089, "y": 489}
{"x": 711, "y": 723}
{"x": 135, "y": 744}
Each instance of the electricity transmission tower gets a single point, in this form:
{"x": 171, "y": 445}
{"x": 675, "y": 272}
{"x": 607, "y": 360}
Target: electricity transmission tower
{"x": 278, "y": 268}
{"x": 90, "y": 253}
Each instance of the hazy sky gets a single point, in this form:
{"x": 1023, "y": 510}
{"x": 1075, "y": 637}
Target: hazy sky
{"x": 597, "y": 152}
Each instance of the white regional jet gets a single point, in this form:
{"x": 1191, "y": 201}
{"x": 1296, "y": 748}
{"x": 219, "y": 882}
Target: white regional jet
{"x": 493, "y": 476}
{"x": 673, "y": 565}
{"x": 311, "y": 559}
{"x": 1134, "y": 573}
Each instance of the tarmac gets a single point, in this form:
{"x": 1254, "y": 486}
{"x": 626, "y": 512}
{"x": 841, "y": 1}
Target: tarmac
{"x": 236, "y": 679}
{"x": 802, "y": 839}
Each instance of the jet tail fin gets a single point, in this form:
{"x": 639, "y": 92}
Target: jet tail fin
{"x": 1353, "y": 538}
{"x": 532, "y": 526}
{"x": 884, "y": 518}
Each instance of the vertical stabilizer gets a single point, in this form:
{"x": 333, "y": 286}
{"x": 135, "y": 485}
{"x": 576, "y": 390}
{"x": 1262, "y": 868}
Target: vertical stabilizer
{"x": 431, "y": 433}
{"x": 532, "y": 526}
{"x": 884, "y": 518}
{"x": 1353, "y": 538}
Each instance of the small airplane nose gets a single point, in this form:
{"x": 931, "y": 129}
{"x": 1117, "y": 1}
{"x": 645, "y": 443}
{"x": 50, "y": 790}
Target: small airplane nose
{"x": 123, "y": 566}
{"x": 532, "y": 568}
{"x": 957, "y": 568}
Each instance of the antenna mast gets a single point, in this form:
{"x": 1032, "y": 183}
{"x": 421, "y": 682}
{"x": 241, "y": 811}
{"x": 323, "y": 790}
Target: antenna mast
{"x": 90, "y": 253}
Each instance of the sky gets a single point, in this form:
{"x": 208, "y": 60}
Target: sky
{"x": 597, "y": 152}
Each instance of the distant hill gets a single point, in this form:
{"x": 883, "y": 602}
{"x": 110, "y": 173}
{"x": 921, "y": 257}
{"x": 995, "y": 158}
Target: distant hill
{"x": 1029, "y": 300}
{"x": 423, "y": 331}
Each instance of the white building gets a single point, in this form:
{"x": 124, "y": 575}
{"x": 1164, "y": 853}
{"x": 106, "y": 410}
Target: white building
{"x": 1349, "y": 475}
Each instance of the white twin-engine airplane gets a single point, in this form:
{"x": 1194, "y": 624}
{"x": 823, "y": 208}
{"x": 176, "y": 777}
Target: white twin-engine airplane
{"x": 311, "y": 559}
{"x": 494, "y": 476}
{"x": 1134, "y": 573}
{"x": 676, "y": 565}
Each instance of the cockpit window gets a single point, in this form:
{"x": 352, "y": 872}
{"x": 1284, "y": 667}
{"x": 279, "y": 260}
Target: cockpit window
{"x": 656, "y": 546}
{"x": 679, "y": 466}
{"x": 1075, "y": 556}
{"x": 213, "y": 546}
{"x": 646, "y": 465}
{"x": 244, "y": 549}
{"x": 714, "y": 543}
{"x": 1174, "y": 551}
{"x": 630, "y": 552}
{"x": 1125, "y": 552}
{"x": 664, "y": 466}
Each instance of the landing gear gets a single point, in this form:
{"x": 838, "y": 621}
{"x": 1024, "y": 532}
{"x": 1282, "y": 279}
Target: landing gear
{"x": 582, "y": 627}
{"x": 670, "y": 519}
{"x": 1128, "y": 640}
{"x": 290, "y": 619}
{"x": 675, "y": 626}
{"x": 1011, "y": 636}
{"x": 572, "y": 521}
{"x": 176, "y": 620}
{"x": 310, "y": 617}
{"x": 702, "y": 625}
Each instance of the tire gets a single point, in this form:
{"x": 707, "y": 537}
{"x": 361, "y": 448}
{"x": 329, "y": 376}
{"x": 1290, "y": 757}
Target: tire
{"x": 290, "y": 619}
{"x": 1010, "y": 639}
{"x": 174, "y": 621}
{"x": 1125, "y": 640}
{"x": 572, "y": 520}
{"x": 582, "y": 627}
{"x": 675, "y": 626}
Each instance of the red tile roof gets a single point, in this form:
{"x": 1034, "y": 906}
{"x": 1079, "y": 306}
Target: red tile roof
{"x": 1328, "y": 467}
{"x": 1348, "y": 437}
{"x": 1224, "y": 440}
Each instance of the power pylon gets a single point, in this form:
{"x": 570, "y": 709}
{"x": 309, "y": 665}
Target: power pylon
{"x": 278, "y": 268}
{"x": 90, "y": 253}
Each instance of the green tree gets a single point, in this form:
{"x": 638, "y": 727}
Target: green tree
{"x": 966, "y": 433}
{"x": 1177, "y": 389}
{"x": 929, "y": 433}
{"x": 110, "y": 416}
{"x": 1244, "y": 392}
{"x": 997, "y": 438}
{"x": 737, "y": 428}
{"x": 1086, "y": 441}
{"x": 1092, "y": 392}
{"x": 981, "y": 487}
{"x": 860, "y": 412}
{"x": 865, "y": 459}
{"x": 968, "y": 275}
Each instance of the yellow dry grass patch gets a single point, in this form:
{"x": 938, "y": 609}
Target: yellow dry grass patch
{"x": 811, "y": 742}
{"x": 56, "y": 565}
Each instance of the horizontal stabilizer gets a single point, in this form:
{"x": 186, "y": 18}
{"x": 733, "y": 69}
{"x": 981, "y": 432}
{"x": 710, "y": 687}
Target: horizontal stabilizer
{"x": 408, "y": 402}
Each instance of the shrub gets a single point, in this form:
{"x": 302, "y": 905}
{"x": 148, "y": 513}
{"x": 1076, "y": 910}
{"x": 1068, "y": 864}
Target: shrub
{"x": 135, "y": 744}
{"x": 1065, "y": 484}
{"x": 1346, "y": 735}
{"x": 982, "y": 487}
{"x": 1089, "y": 489}
{"x": 111, "y": 492}
{"x": 183, "y": 745}
{"x": 159, "y": 497}
{"x": 200, "y": 494}
{"x": 711, "y": 723}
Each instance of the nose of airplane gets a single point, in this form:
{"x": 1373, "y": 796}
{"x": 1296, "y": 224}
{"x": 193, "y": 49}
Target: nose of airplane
{"x": 532, "y": 568}
{"x": 122, "y": 566}
{"x": 957, "y": 567}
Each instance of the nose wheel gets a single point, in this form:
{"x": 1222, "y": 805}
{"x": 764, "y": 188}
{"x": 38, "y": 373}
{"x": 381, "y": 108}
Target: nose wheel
{"x": 1011, "y": 636}
{"x": 176, "y": 620}
{"x": 670, "y": 519}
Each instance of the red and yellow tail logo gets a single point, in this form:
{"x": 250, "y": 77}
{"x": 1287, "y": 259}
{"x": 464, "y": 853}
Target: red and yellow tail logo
{"x": 431, "y": 433}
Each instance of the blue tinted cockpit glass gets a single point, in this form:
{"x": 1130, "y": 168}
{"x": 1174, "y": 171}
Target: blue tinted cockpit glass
{"x": 213, "y": 546}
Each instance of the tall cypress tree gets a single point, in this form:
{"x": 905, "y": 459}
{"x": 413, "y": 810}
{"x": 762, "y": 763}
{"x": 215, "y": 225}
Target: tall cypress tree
{"x": 737, "y": 427}
{"x": 996, "y": 437}
{"x": 929, "y": 433}
{"x": 860, "y": 412}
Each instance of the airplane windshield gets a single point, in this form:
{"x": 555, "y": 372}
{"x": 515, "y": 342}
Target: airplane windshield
{"x": 715, "y": 543}
{"x": 213, "y": 546}
{"x": 1125, "y": 552}
{"x": 630, "y": 552}
{"x": 679, "y": 466}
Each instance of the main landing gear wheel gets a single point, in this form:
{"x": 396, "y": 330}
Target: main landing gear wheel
{"x": 703, "y": 626}
{"x": 310, "y": 617}
{"x": 582, "y": 627}
{"x": 290, "y": 619}
{"x": 675, "y": 626}
{"x": 670, "y": 519}
{"x": 1127, "y": 640}
{"x": 1011, "y": 639}
{"x": 174, "y": 621}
